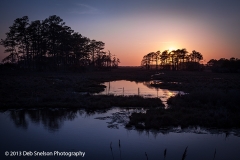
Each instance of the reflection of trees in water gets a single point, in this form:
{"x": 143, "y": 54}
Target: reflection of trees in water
{"x": 150, "y": 83}
{"x": 52, "y": 119}
{"x": 19, "y": 118}
{"x": 153, "y": 132}
{"x": 90, "y": 112}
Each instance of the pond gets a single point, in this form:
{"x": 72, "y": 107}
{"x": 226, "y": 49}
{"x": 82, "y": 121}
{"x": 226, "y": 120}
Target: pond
{"x": 95, "y": 133}
{"x": 123, "y": 87}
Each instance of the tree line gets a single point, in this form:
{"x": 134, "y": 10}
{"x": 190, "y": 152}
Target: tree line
{"x": 224, "y": 65}
{"x": 178, "y": 59}
{"x": 50, "y": 44}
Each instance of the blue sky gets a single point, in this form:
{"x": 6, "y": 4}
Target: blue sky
{"x": 133, "y": 28}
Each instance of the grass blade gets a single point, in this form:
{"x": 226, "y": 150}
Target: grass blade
{"x": 119, "y": 145}
{"x": 146, "y": 155}
{"x": 165, "y": 153}
{"x": 184, "y": 154}
{"x": 111, "y": 150}
{"x": 214, "y": 154}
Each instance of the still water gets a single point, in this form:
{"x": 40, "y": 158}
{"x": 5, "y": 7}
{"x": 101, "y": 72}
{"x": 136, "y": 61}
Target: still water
{"x": 123, "y": 87}
{"x": 76, "y": 130}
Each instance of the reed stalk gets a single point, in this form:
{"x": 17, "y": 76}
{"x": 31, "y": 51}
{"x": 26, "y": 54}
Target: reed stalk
{"x": 111, "y": 150}
{"x": 184, "y": 154}
{"x": 146, "y": 155}
{"x": 165, "y": 153}
{"x": 119, "y": 145}
{"x": 214, "y": 154}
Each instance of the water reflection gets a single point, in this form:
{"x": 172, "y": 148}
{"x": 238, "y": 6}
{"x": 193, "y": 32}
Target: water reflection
{"x": 120, "y": 117}
{"x": 91, "y": 131}
{"x": 145, "y": 89}
{"x": 52, "y": 119}
{"x": 19, "y": 119}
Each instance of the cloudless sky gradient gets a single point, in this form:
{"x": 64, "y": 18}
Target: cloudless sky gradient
{"x": 132, "y": 28}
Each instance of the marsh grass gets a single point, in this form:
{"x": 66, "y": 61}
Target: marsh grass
{"x": 208, "y": 99}
{"x": 186, "y": 112}
{"x": 67, "y": 89}
{"x": 111, "y": 150}
{"x": 190, "y": 81}
{"x": 119, "y": 145}
{"x": 165, "y": 153}
{"x": 214, "y": 154}
{"x": 184, "y": 153}
{"x": 146, "y": 155}
{"x": 81, "y": 101}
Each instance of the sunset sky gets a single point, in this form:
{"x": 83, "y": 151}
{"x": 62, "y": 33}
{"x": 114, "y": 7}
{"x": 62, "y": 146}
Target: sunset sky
{"x": 132, "y": 28}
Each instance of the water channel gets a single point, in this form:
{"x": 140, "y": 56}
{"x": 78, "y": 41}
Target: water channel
{"x": 126, "y": 88}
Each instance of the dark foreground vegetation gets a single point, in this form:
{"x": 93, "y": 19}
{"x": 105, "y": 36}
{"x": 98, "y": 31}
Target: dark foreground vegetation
{"x": 86, "y": 101}
{"x": 23, "y": 88}
{"x": 223, "y": 65}
{"x": 211, "y": 100}
{"x": 187, "y": 112}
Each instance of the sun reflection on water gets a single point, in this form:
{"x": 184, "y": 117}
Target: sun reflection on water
{"x": 145, "y": 89}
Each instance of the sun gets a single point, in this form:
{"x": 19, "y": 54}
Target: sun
{"x": 171, "y": 48}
